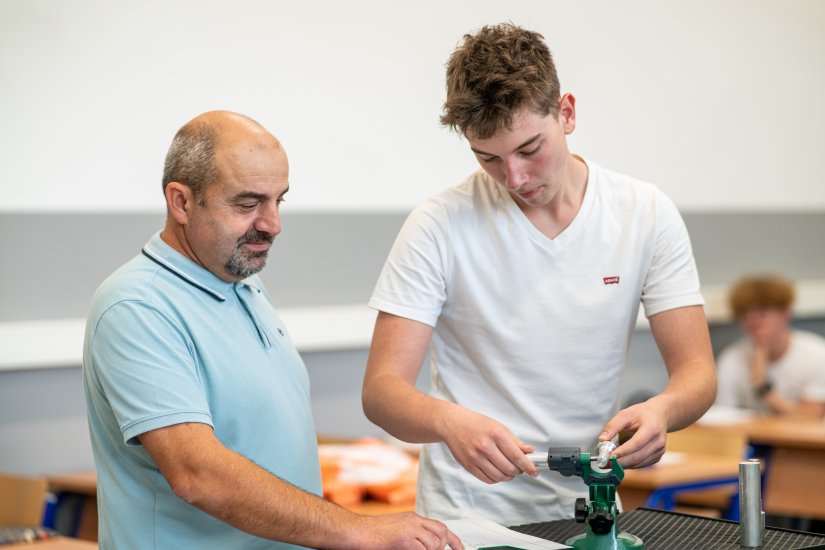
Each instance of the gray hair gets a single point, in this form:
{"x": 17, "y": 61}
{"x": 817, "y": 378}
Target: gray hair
{"x": 191, "y": 158}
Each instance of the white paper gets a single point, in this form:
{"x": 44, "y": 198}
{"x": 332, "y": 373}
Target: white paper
{"x": 722, "y": 415}
{"x": 478, "y": 532}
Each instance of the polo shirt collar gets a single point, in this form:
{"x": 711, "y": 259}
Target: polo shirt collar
{"x": 181, "y": 266}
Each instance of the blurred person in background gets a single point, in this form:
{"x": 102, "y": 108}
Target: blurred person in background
{"x": 775, "y": 368}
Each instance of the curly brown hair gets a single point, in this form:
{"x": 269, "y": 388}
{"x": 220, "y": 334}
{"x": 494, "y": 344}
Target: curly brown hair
{"x": 760, "y": 292}
{"x": 495, "y": 73}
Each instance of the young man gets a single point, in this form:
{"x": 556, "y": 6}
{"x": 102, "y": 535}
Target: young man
{"x": 774, "y": 369}
{"x": 198, "y": 402}
{"x": 525, "y": 283}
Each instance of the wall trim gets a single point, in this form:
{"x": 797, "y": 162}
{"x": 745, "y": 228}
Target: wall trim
{"x": 56, "y": 343}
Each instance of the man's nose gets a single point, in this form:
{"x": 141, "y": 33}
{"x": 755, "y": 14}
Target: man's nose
{"x": 270, "y": 220}
{"x": 515, "y": 174}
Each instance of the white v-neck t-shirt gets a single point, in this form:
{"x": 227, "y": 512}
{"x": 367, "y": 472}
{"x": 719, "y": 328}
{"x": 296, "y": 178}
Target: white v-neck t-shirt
{"x": 531, "y": 331}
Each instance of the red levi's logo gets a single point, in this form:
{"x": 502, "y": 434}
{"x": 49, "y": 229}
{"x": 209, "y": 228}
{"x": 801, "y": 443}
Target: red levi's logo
{"x": 611, "y": 280}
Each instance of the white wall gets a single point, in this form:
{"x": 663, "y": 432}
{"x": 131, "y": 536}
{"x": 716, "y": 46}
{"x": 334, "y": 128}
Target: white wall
{"x": 719, "y": 102}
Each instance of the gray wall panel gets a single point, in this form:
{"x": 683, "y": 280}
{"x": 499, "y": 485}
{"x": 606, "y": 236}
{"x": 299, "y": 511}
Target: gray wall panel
{"x": 53, "y": 262}
{"x": 728, "y": 245}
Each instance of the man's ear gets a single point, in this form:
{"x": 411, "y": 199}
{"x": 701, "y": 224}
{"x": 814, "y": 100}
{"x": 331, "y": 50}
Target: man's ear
{"x": 179, "y": 201}
{"x": 567, "y": 112}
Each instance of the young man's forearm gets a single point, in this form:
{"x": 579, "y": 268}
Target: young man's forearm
{"x": 404, "y": 411}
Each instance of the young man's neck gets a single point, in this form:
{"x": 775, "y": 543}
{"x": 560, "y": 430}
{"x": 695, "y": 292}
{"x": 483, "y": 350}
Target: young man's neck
{"x": 560, "y": 212}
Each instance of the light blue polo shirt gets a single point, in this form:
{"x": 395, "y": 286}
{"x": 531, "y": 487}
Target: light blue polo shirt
{"x": 169, "y": 342}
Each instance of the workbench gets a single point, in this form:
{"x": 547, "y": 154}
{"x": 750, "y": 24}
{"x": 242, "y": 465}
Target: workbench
{"x": 661, "y": 530}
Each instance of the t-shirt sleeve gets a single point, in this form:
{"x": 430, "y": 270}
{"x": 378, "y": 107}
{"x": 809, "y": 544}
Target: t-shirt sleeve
{"x": 672, "y": 280}
{"x": 412, "y": 283}
{"x": 145, "y": 365}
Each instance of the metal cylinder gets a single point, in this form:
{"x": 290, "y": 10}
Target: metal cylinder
{"x": 604, "y": 450}
{"x": 751, "y": 524}
{"x": 539, "y": 460}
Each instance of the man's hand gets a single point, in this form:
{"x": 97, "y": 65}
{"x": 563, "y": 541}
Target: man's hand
{"x": 406, "y": 531}
{"x": 682, "y": 337}
{"x": 228, "y": 486}
{"x": 484, "y": 447}
{"x": 649, "y": 423}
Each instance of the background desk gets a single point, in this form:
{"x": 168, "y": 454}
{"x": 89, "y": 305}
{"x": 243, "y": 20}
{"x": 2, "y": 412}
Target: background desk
{"x": 77, "y": 490}
{"x": 376, "y": 508}
{"x": 60, "y": 543}
{"x": 785, "y": 433}
{"x": 655, "y": 486}
{"x": 794, "y": 455}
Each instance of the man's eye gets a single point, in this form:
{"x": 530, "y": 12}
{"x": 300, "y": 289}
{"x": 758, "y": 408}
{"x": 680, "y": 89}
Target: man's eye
{"x": 248, "y": 207}
{"x": 281, "y": 199}
{"x": 530, "y": 153}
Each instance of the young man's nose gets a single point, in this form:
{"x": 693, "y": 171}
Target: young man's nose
{"x": 515, "y": 174}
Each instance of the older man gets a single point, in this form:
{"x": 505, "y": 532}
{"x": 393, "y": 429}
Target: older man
{"x": 198, "y": 402}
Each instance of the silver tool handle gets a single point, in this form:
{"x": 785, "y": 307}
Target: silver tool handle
{"x": 539, "y": 459}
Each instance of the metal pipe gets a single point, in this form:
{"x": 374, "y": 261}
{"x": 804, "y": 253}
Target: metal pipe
{"x": 751, "y": 524}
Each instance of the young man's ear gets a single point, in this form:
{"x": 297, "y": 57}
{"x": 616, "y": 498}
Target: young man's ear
{"x": 179, "y": 201}
{"x": 567, "y": 112}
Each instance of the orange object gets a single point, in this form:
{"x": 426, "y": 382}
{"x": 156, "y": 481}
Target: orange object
{"x": 399, "y": 491}
{"x": 367, "y": 468}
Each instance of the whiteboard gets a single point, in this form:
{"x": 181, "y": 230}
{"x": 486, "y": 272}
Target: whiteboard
{"x": 720, "y": 103}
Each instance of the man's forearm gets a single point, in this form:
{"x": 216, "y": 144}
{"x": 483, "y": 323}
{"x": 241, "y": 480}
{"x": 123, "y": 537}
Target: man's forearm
{"x": 689, "y": 394}
{"x": 242, "y": 494}
{"x": 404, "y": 411}
{"x": 389, "y": 396}
{"x": 228, "y": 486}
{"x": 683, "y": 340}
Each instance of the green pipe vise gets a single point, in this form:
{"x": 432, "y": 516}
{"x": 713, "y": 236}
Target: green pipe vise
{"x": 601, "y": 516}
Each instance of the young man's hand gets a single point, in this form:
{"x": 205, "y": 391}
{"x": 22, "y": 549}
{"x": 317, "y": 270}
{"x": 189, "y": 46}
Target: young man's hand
{"x": 484, "y": 447}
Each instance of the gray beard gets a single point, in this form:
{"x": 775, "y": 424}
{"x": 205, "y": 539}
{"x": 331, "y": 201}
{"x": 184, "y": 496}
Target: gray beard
{"x": 243, "y": 266}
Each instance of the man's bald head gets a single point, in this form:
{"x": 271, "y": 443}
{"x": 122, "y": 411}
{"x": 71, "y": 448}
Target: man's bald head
{"x": 191, "y": 157}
